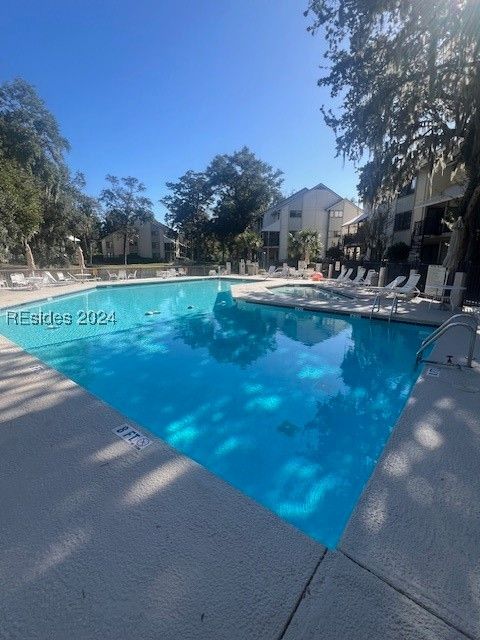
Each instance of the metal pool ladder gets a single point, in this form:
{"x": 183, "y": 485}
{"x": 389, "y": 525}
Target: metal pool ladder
{"x": 458, "y": 320}
{"x": 376, "y": 305}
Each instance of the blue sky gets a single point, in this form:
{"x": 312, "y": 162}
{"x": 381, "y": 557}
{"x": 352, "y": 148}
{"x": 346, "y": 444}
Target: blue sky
{"x": 153, "y": 88}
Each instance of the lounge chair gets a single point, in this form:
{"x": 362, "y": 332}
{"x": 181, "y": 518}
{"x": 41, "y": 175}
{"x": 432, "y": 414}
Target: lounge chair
{"x": 112, "y": 276}
{"x": 342, "y": 279}
{"x": 50, "y": 281}
{"x": 341, "y": 275}
{"x": 122, "y": 274}
{"x": 19, "y": 281}
{"x": 182, "y": 271}
{"x": 132, "y": 275}
{"x": 409, "y": 289}
{"x": 358, "y": 278}
{"x": 367, "y": 280}
{"x": 66, "y": 278}
{"x": 160, "y": 273}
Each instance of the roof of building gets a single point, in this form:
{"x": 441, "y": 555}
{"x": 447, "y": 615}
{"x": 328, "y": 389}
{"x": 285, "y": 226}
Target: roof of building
{"x": 155, "y": 223}
{"x": 360, "y": 218}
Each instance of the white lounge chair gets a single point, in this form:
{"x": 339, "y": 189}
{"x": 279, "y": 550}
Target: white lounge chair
{"x": 358, "y": 278}
{"x": 122, "y": 274}
{"x": 341, "y": 279}
{"x": 132, "y": 275}
{"x": 367, "y": 280}
{"x": 112, "y": 276}
{"x": 19, "y": 281}
{"x": 69, "y": 278}
{"x": 409, "y": 289}
{"x": 341, "y": 275}
{"x": 50, "y": 281}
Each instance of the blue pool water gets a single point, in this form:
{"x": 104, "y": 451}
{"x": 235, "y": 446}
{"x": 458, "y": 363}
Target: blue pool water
{"x": 291, "y": 407}
{"x": 306, "y": 291}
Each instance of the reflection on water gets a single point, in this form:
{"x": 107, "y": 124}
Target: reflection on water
{"x": 291, "y": 407}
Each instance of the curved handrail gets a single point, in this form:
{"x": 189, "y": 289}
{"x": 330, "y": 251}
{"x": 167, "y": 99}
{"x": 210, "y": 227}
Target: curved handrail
{"x": 443, "y": 329}
{"x": 449, "y": 321}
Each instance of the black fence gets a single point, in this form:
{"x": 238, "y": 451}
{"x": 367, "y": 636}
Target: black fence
{"x": 472, "y": 294}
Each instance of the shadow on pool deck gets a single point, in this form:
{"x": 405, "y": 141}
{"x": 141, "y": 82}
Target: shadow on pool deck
{"x": 102, "y": 541}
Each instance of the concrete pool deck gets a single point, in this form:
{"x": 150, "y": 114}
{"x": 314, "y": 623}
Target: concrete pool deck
{"x": 102, "y": 541}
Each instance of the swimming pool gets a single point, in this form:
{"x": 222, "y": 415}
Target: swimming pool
{"x": 309, "y": 292}
{"x": 291, "y": 407}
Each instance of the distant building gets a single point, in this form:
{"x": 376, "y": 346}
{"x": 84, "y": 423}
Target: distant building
{"x": 416, "y": 216}
{"x": 353, "y": 237}
{"x": 319, "y": 209}
{"x": 154, "y": 240}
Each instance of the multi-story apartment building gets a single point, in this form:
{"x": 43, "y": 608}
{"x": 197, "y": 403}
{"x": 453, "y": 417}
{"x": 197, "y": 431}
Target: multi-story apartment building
{"x": 154, "y": 240}
{"x": 319, "y": 209}
{"x": 417, "y": 215}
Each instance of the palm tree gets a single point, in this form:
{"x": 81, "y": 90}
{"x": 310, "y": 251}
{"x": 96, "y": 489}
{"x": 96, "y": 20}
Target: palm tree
{"x": 248, "y": 243}
{"x": 304, "y": 245}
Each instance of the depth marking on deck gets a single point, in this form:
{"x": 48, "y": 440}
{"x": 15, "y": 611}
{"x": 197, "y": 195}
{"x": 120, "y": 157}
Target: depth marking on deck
{"x": 132, "y": 436}
{"x": 433, "y": 372}
{"x": 35, "y": 367}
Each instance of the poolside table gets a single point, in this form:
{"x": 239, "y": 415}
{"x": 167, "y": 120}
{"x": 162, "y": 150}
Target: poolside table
{"x": 439, "y": 291}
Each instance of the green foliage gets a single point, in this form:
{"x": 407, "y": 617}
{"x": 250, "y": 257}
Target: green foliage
{"x": 125, "y": 207}
{"x": 407, "y": 73}
{"x": 398, "y": 252}
{"x": 304, "y": 245}
{"x": 188, "y": 210}
{"x": 20, "y": 206}
{"x": 39, "y": 201}
{"x": 334, "y": 253}
{"x": 248, "y": 244}
{"x": 213, "y": 207}
{"x": 243, "y": 188}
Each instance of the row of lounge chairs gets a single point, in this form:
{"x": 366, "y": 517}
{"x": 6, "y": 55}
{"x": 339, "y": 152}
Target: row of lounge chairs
{"x": 20, "y": 281}
{"x": 397, "y": 286}
{"x": 363, "y": 278}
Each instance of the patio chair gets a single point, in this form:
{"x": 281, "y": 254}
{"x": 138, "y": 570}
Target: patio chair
{"x": 132, "y": 275}
{"x": 341, "y": 279}
{"x": 19, "y": 281}
{"x": 409, "y": 289}
{"x": 69, "y": 278}
{"x": 50, "y": 281}
{"x": 341, "y": 275}
{"x": 122, "y": 274}
{"x": 112, "y": 276}
{"x": 367, "y": 280}
{"x": 358, "y": 278}
{"x": 160, "y": 273}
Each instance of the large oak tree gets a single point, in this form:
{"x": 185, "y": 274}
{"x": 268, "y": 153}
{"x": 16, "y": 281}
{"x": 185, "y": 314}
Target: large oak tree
{"x": 404, "y": 76}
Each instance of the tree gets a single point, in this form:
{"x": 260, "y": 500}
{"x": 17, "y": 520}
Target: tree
{"x": 248, "y": 243}
{"x": 29, "y": 134}
{"x": 125, "y": 207}
{"x": 20, "y": 206}
{"x": 243, "y": 187}
{"x": 188, "y": 209}
{"x": 304, "y": 245}
{"x": 398, "y": 252}
{"x": 408, "y": 75}
{"x": 374, "y": 231}
{"x": 39, "y": 200}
